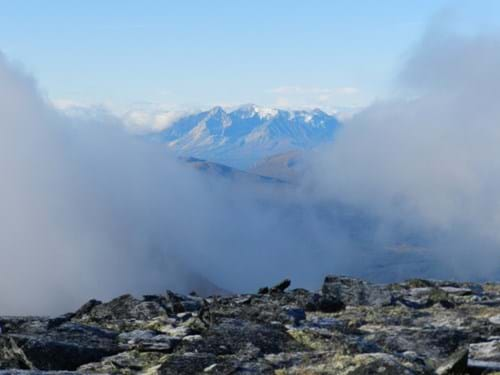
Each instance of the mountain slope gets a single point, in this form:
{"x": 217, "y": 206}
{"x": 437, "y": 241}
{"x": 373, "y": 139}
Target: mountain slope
{"x": 240, "y": 137}
{"x": 288, "y": 166}
{"x": 221, "y": 170}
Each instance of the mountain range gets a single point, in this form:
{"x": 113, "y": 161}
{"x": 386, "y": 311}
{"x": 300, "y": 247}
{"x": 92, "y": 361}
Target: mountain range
{"x": 242, "y": 137}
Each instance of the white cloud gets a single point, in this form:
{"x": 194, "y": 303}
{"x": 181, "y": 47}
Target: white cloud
{"x": 151, "y": 121}
{"x": 67, "y": 104}
{"x": 430, "y": 166}
{"x": 85, "y": 205}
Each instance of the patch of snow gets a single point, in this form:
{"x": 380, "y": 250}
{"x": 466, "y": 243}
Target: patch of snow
{"x": 266, "y": 113}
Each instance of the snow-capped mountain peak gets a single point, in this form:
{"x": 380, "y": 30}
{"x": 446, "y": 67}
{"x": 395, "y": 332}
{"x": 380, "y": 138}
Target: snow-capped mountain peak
{"x": 242, "y": 136}
{"x": 251, "y": 110}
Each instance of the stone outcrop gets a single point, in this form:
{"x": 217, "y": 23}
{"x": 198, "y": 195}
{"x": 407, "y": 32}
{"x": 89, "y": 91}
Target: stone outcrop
{"x": 348, "y": 327}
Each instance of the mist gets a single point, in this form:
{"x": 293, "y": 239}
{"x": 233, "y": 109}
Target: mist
{"x": 92, "y": 211}
{"x": 425, "y": 163}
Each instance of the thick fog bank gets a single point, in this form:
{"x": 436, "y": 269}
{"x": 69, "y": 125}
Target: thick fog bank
{"x": 89, "y": 211}
{"x": 426, "y": 165}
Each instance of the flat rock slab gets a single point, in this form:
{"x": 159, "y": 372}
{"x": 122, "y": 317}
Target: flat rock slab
{"x": 230, "y": 336}
{"x": 354, "y": 292}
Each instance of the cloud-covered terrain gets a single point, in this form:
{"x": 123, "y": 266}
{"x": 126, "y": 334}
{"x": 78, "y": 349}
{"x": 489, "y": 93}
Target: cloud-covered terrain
{"x": 428, "y": 162}
{"x": 91, "y": 211}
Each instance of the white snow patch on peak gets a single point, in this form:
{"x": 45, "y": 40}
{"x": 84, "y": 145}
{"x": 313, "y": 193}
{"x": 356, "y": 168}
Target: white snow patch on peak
{"x": 250, "y": 110}
{"x": 266, "y": 112}
{"x": 308, "y": 118}
{"x": 226, "y": 121}
{"x": 198, "y": 131}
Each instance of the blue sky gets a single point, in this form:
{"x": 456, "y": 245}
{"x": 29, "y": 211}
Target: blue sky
{"x": 185, "y": 54}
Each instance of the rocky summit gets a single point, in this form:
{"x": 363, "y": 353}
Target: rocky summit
{"x": 350, "y": 327}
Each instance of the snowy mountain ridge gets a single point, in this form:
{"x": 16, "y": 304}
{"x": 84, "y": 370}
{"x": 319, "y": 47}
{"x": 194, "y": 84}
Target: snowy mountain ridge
{"x": 241, "y": 137}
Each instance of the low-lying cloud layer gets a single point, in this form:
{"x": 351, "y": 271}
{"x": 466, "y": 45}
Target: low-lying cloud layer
{"x": 429, "y": 165}
{"x": 91, "y": 211}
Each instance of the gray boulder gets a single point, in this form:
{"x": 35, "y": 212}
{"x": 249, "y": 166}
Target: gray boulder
{"x": 355, "y": 292}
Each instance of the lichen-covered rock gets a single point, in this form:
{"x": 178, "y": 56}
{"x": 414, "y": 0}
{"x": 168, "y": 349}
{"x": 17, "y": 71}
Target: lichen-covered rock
{"x": 187, "y": 363}
{"x": 247, "y": 361}
{"x": 326, "y": 303}
{"x": 129, "y": 362}
{"x": 484, "y": 357}
{"x": 11, "y": 356}
{"x": 28, "y": 325}
{"x": 349, "y": 327}
{"x": 122, "y": 312}
{"x": 485, "y": 351}
{"x": 39, "y": 372}
{"x": 361, "y": 364}
{"x": 67, "y": 347}
{"x": 354, "y": 292}
{"x": 148, "y": 341}
{"x": 455, "y": 365}
{"x": 229, "y": 336}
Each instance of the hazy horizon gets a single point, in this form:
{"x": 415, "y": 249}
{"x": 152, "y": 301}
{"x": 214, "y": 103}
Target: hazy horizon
{"x": 195, "y": 55}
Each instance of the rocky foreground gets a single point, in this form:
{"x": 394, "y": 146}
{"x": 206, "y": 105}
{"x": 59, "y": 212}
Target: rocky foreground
{"x": 349, "y": 327}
